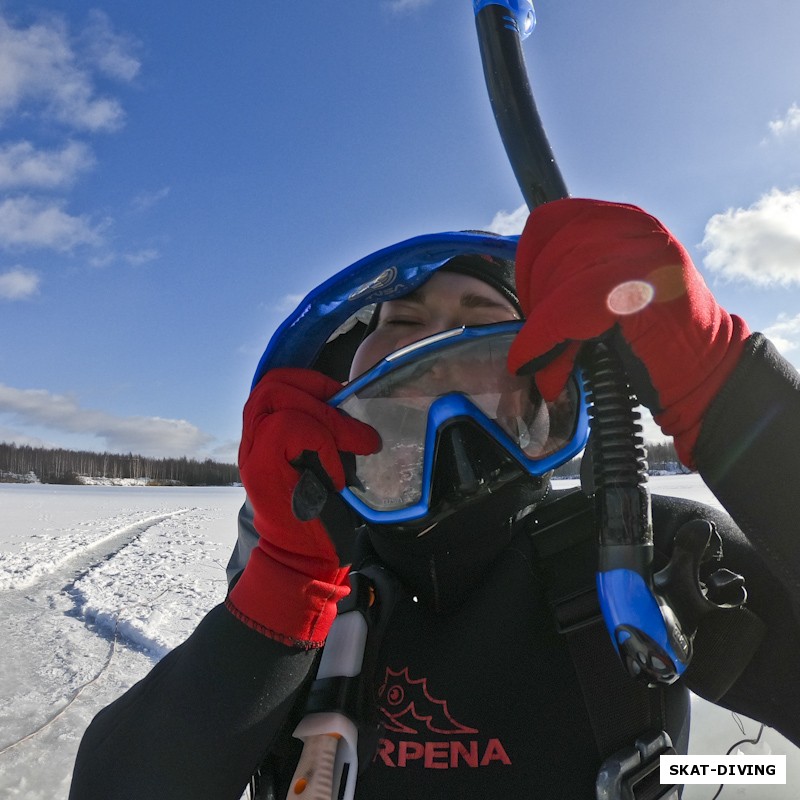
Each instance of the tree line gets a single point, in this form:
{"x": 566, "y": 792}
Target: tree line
{"x": 57, "y": 465}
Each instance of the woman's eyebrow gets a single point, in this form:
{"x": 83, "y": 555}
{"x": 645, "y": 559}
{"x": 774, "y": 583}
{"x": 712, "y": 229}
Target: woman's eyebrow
{"x": 472, "y": 300}
{"x": 417, "y": 296}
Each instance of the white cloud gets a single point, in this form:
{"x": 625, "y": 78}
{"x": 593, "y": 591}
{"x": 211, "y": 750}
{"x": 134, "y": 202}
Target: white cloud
{"x": 789, "y": 125}
{"x": 407, "y": 5}
{"x": 509, "y": 223}
{"x": 102, "y": 259}
{"x": 18, "y": 284}
{"x": 141, "y": 257}
{"x": 147, "y": 200}
{"x": 759, "y": 244}
{"x": 12, "y": 436}
{"x": 41, "y": 71}
{"x": 227, "y": 452}
{"x": 785, "y": 333}
{"x": 111, "y": 52}
{"x": 22, "y": 165}
{"x": 149, "y": 436}
{"x": 288, "y": 302}
{"x": 29, "y": 222}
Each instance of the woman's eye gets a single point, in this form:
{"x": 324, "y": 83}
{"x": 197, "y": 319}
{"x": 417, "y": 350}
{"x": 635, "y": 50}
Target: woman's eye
{"x": 487, "y": 318}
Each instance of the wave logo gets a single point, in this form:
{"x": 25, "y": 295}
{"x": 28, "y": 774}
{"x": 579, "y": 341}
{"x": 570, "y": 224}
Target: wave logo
{"x": 386, "y": 278}
{"x": 408, "y": 708}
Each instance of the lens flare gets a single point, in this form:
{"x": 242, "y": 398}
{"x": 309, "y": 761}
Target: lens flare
{"x": 630, "y": 297}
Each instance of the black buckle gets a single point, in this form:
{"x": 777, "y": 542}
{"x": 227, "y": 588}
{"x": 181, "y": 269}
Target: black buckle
{"x": 633, "y": 773}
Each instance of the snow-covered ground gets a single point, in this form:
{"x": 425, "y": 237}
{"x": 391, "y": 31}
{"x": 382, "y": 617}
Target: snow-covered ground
{"x": 98, "y": 582}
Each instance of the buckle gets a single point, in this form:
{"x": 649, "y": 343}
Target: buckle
{"x": 633, "y": 772}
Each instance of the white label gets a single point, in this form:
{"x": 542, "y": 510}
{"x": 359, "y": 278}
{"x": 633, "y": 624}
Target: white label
{"x": 723, "y": 769}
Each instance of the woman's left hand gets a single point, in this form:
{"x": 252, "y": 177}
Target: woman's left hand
{"x": 589, "y": 267}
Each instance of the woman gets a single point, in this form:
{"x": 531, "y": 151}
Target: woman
{"x": 476, "y": 678}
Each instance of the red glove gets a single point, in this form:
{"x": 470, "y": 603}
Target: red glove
{"x": 585, "y": 267}
{"x": 293, "y": 579}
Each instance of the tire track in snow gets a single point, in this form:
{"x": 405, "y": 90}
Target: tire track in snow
{"x": 154, "y": 591}
{"x": 49, "y": 652}
{"x": 115, "y": 554}
{"x": 75, "y": 550}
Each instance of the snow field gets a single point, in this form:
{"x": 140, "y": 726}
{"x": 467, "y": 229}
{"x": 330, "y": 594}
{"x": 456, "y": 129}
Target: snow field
{"x": 96, "y": 584}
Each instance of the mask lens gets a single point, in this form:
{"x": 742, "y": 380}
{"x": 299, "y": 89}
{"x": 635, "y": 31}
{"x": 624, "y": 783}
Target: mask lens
{"x": 391, "y": 478}
{"x": 411, "y": 394}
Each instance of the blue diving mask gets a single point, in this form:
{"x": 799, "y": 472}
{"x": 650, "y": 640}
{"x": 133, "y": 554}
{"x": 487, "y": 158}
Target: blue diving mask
{"x": 455, "y": 424}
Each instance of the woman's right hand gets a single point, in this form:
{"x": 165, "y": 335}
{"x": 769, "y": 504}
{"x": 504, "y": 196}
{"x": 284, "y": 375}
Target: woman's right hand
{"x": 294, "y": 578}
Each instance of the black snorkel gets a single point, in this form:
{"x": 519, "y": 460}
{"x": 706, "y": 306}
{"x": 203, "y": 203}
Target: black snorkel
{"x": 652, "y": 618}
{"x": 644, "y": 629}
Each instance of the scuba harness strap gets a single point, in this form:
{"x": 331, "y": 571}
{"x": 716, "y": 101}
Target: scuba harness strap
{"x": 628, "y": 719}
{"x": 619, "y": 709}
{"x": 340, "y": 728}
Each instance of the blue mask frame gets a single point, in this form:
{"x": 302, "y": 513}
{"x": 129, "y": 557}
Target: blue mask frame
{"x": 450, "y": 407}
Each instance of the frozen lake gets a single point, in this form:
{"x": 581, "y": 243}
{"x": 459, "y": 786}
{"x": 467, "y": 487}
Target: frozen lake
{"x": 97, "y": 583}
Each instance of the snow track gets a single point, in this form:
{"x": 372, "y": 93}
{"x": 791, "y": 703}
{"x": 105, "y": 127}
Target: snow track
{"x": 87, "y": 606}
{"x": 44, "y": 557}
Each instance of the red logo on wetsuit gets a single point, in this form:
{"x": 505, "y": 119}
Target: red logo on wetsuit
{"x": 408, "y": 707}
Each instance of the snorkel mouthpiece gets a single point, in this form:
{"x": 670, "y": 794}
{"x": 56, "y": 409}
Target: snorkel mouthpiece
{"x": 467, "y": 481}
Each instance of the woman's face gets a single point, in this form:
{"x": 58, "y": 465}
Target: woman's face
{"x": 446, "y": 300}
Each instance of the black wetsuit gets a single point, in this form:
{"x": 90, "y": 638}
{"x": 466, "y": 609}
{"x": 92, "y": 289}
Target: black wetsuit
{"x": 482, "y": 701}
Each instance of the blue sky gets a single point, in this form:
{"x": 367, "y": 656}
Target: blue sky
{"x": 175, "y": 176}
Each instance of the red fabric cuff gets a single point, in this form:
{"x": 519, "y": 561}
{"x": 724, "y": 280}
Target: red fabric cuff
{"x": 684, "y": 419}
{"x": 284, "y": 603}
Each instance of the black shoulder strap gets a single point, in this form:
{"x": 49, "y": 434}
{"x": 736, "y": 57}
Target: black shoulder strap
{"x": 620, "y": 709}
